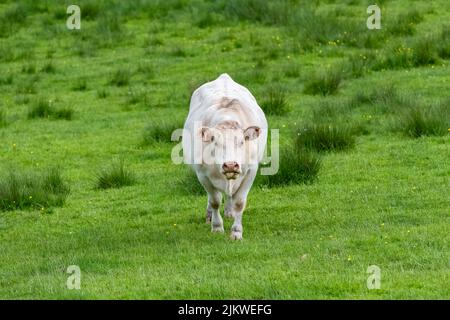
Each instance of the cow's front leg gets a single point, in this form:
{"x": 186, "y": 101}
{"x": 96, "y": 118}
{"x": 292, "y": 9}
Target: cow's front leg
{"x": 238, "y": 202}
{"x": 238, "y": 205}
{"x": 212, "y": 208}
{"x": 214, "y": 200}
{"x": 228, "y": 211}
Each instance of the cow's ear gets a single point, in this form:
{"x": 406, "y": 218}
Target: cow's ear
{"x": 207, "y": 134}
{"x": 252, "y": 132}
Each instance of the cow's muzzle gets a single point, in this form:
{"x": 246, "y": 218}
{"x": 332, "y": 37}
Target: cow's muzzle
{"x": 231, "y": 169}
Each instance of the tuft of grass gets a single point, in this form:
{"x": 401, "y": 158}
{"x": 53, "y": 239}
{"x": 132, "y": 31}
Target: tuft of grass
{"x": 418, "y": 52}
{"x": 21, "y": 99}
{"x": 397, "y": 57}
{"x": 29, "y": 68}
{"x": 109, "y": 30}
{"x": 7, "y": 53}
{"x": 91, "y": 9}
{"x": 318, "y": 26}
{"x": 48, "y": 67}
{"x": 6, "y": 79}
{"x": 3, "y": 121}
{"x": 178, "y": 51}
{"x": 84, "y": 50}
{"x": 136, "y": 95}
{"x": 296, "y": 166}
{"x": 28, "y": 86}
{"x": 258, "y": 10}
{"x": 333, "y": 109}
{"x": 12, "y": 18}
{"x": 443, "y": 43}
{"x": 372, "y": 40}
{"x": 325, "y": 137}
{"x": 80, "y": 85}
{"x": 43, "y": 108}
{"x": 275, "y": 103}
{"x": 160, "y": 131}
{"x": 404, "y": 24}
{"x": 358, "y": 65}
{"x": 102, "y": 93}
{"x": 291, "y": 70}
{"x": 121, "y": 77}
{"x": 188, "y": 183}
{"x": 325, "y": 82}
{"x": 340, "y": 111}
{"x": 20, "y": 190}
{"x": 153, "y": 41}
{"x": 205, "y": 18}
{"x": 424, "y": 52}
{"x": 146, "y": 69}
{"x": 256, "y": 75}
{"x": 424, "y": 120}
{"x": 63, "y": 113}
{"x": 384, "y": 96}
{"x": 115, "y": 176}
{"x": 385, "y": 99}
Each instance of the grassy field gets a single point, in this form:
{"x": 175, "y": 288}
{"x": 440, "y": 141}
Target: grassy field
{"x": 86, "y": 176}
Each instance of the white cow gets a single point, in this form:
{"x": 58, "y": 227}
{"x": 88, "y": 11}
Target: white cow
{"x": 224, "y": 139}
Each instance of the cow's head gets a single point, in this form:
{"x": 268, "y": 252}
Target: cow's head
{"x": 229, "y": 147}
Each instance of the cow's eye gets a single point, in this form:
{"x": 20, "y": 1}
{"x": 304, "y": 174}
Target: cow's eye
{"x": 212, "y": 138}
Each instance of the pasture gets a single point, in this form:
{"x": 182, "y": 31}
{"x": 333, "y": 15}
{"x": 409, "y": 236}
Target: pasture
{"x": 86, "y": 176}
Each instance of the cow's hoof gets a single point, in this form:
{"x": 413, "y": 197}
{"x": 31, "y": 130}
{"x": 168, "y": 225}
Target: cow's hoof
{"x": 228, "y": 214}
{"x": 217, "y": 228}
{"x": 236, "y": 235}
{"x": 208, "y": 220}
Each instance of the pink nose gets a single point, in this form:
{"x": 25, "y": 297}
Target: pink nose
{"x": 230, "y": 166}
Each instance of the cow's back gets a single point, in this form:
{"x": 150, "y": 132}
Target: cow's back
{"x": 211, "y": 92}
{"x": 206, "y": 105}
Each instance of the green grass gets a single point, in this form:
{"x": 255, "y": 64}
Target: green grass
{"x": 367, "y": 193}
